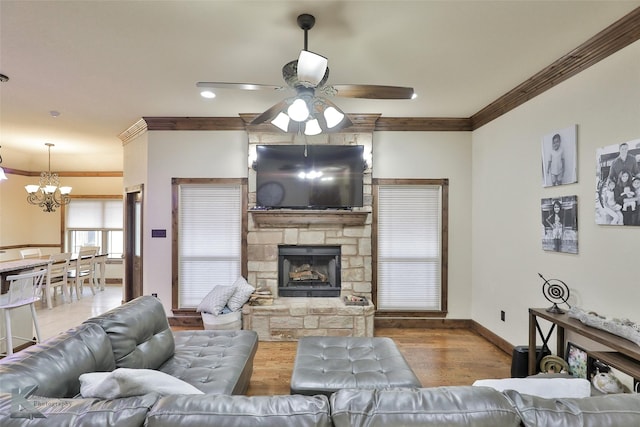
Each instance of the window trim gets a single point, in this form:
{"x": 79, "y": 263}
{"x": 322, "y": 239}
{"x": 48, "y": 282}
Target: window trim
{"x": 175, "y": 214}
{"x": 444, "y": 184}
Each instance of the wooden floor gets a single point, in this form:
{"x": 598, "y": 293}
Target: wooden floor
{"x": 437, "y": 356}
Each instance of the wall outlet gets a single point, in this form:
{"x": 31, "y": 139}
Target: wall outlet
{"x": 154, "y": 295}
{"x": 502, "y": 315}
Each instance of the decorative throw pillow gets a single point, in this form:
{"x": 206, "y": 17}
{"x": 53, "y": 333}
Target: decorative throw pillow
{"x": 215, "y": 300}
{"x": 543, "y": 387}
{"x": 243, "y": 291}
{"x": 126, "y": 382}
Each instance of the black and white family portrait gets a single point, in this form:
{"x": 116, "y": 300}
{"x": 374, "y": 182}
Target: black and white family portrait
{"x": 618, "y": 184}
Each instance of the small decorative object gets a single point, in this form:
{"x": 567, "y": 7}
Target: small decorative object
{"x": 261, "y": 296}
{"x": 355, "y": 300}
{"x": 555, "y": 291}
{"x": 577, "y": 360}
{"x": 606, "y": 382}
{"x": 624, "y": 328}
{"x": 553, "y": 365}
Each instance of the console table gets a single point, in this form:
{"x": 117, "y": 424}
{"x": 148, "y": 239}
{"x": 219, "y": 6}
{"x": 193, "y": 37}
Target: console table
{"x": 625, "y": 355}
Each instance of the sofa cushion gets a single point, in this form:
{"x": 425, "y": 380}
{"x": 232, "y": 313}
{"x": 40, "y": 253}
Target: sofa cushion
{"x": 230, "y": 411}
{"x": 216, "y": 362}
{"x": 128, "y": 412}
{"x": 139, "y": 333}
{"x": 126, "y": 382}
{"x": 437, "y": 406}
{"x": 55, "y": 364}
{"x": 598, "y": 411}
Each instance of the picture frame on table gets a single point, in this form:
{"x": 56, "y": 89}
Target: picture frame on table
{"x": 578, "y": 361}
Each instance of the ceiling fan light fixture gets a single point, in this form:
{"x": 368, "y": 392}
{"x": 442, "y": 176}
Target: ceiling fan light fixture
{"x": 333, "y": 117}
{"x": 298, "y": 110}
{"x": 281, "y": 122}
{"x": 311, "y": 68}
{"x": 312, "y": 127}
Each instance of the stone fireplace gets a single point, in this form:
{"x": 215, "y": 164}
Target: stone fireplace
{"x": 308, "y": 271}
{"x": 315, "y": 307}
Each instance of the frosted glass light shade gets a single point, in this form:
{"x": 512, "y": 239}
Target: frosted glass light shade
{"x": 333, "y": 117}
{"x": 281, "y": 121}
{"x": 311, "y": 68}
{"x": 312, "y": 127}
{"x": 31, "y": 188}
{"x": 298, "y": 110}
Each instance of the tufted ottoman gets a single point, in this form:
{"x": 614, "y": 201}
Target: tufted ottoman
{"x": 324, "y": 365}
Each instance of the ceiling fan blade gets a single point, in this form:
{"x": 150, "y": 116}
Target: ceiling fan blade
{"x": 270, "y": 114}
{"x": 373, "y": 91}
{"x": 241, "y": 86}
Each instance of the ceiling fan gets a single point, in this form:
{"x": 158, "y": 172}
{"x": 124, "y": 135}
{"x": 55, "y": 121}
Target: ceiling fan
{"x": 306, "y": 112}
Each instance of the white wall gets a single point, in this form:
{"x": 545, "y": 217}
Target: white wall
{"x": 175, "y": 154}
{"x": 421, "y": 155}
{"x": 604, "y": 101}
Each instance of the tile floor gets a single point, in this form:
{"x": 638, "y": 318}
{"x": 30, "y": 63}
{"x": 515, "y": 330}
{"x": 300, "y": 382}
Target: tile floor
{"x": 64, "y": 316}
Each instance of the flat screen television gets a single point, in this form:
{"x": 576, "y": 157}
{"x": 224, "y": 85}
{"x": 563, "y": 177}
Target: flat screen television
{"x": 309, "y": 176}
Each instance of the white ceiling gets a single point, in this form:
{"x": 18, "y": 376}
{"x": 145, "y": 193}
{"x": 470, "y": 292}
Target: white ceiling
{"x": 104, "y": 64}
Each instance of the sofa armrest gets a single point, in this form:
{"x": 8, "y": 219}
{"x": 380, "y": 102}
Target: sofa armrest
{"x": 40, "y": 411}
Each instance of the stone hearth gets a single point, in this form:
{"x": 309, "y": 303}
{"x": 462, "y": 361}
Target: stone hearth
{"x": 289, "y": 319}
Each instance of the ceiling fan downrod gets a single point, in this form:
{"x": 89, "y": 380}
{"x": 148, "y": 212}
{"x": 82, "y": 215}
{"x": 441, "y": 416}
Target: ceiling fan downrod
{"x": 306, "y": 22}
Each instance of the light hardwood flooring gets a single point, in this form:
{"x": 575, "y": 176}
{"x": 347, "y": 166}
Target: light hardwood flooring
{"x": 437, "y": 356}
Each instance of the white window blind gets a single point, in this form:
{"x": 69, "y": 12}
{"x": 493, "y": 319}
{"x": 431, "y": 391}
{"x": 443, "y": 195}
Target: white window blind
{"x": 94, "y": 214}
{"x": 409, "y": 247}
{"x": 209, "y": 242}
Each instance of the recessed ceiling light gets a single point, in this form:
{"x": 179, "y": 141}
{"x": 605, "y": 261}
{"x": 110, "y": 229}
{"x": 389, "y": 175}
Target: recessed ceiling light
{"x": 54, "y": 113}
{"x": 207, "y": 93}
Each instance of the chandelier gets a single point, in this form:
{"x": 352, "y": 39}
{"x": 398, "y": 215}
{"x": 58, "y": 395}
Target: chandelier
{"x": 2, "y": 175}
{"x": 48, "y": 194}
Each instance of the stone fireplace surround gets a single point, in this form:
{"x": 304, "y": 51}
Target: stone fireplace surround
{"x": 290, "y": 318}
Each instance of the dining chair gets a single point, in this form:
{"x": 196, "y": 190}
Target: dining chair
{"x": 96, "y": 271}
{"x": 81, "y": 269}
{"x": 57, "y": 272}
{"x": 30, "y": 253}
{"x": 24, "y": 289}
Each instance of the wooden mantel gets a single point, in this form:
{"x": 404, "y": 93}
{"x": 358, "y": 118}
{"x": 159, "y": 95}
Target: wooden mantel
{"x": 294, "y": 217}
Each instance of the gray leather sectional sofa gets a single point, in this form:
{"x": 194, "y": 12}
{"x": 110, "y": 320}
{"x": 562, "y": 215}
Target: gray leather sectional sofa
{"x": 220, "y": 363}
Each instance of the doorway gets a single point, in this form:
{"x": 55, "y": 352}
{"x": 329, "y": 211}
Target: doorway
{"x": 133, "y": 243}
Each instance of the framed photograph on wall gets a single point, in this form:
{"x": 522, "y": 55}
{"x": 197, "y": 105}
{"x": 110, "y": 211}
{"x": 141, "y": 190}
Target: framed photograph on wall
{"x": 559, "y": 217}
{"x": 559, "y": 157}
{"x": 618, "y": 184}
{"x": 578, "y": 361}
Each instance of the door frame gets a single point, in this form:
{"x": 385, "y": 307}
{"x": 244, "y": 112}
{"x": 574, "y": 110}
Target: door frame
{"x": 133, "y": 195}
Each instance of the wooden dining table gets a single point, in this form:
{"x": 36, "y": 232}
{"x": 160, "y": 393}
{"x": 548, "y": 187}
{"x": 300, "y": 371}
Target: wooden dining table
{"x": 20, "y": 317}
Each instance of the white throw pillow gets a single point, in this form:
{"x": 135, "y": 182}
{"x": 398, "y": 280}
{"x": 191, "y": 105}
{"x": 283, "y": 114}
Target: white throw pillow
{"x": 126, "y": 382}
{"x": 550, "y": 388}
{"x": 215, "y": 300}
{"x": 243, "y": 291}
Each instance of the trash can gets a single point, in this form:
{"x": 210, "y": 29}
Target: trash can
{"x": 520, "y": 360}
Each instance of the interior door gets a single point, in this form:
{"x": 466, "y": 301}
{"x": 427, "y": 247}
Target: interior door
{"x": 133, "y": 243}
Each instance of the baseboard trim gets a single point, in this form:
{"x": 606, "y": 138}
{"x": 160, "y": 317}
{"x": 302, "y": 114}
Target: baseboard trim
{"x": 494, "y": 339}
{"x": 411, "y": 322}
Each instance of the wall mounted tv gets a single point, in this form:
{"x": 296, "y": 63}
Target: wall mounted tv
{"x": 309, "y": 176}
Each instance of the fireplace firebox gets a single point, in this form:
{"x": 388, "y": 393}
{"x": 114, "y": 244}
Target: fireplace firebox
{"x": 308, "y": 271}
